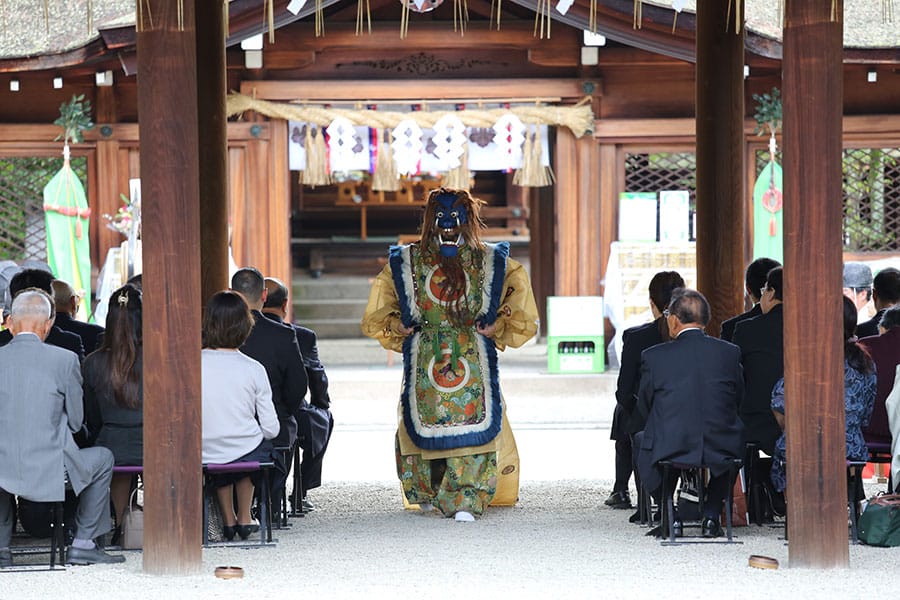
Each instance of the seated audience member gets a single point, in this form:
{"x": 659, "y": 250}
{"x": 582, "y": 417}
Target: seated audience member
{"x": 275, "y": 347}
{"x": 238, "y": 415}
{"x": 859, "y": 396}
{"x": 67, "y": 302}
{"x": 314, "y": 424}
{"x": 114, "y": 393}
{"x": 858, "y": 285}
{"x": 625, "y": 421}
{"x": 885, "y": 294}
{"x": 42, "y": 280}
{"x": 37, "y": 448}
{"x": 754, "y": 281}
{"x": 885, "y": 351}
{"x": 693, "y": 375}
{"x": 761, "y": 341}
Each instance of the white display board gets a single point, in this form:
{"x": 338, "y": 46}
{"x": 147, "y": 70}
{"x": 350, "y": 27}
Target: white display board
{"x": 574, "y": 316}
{"x": 637, "y": 217}
{"x": 674, "y": 216}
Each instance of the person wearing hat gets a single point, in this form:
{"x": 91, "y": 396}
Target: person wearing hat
{"x": 858, "y": 284}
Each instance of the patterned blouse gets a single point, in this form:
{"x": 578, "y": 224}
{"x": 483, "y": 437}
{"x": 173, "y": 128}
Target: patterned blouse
{"x": 859, "y": 399}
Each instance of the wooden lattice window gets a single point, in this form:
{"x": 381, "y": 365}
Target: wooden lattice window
{"x": 662, "y": 171}
{"x": 23, "y": 235}
{"x": 871, "y": 191}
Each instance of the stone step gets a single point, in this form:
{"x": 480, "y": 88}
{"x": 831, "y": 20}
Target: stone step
{"x": 330, "y": 288}
{"x": 332, "y": 308}
{"x": 332, "y": 329}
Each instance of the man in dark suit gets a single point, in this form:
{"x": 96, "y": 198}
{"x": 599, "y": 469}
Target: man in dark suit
{"x": 754, "y": 279}
{"x": 67, "y": 302}
{"x": 275, "y": 346}
{"x": 885, "y": 294}
{"x": 314, "y": 422}
{"x": 40, "y": 407}
{"x": 42, "y": 280}
{"x": 692, "y": 376}
{"x": 885, "y": 351}
{"x": 761, "y": 340}
{"x": 625, "y": 422}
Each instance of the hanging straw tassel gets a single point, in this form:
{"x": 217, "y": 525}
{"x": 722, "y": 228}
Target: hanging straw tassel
{"x": 532, "y": 173}
{"x": 460, "y": 178}
{"x": 316, "y": 172}
{"x": 385, "y": 178}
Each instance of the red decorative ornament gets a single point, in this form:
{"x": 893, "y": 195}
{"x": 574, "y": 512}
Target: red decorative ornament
{"x": 772, "y": 201}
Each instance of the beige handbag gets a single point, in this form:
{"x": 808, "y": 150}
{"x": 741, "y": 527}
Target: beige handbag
{"x": 133, "y": 525}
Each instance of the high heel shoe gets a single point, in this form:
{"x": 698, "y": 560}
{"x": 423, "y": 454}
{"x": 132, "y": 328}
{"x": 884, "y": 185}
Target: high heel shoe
{"x": 246, "y": 531}
{"x": 228, "y": 531}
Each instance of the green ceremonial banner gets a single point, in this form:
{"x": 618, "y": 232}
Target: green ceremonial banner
{"x": 67, "y": 218}
{"x": 768, "y": 229}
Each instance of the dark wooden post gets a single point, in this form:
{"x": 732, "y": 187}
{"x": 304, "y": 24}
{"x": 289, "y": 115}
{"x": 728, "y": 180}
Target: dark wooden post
{"x": 813, "y": 348}
{"x": 167, "y": 105}
{"x": 720, "y": 166}
{"x": 211, "y": 89}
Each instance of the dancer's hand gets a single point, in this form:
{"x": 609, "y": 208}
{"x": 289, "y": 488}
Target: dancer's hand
{"x": 485, "y": 330}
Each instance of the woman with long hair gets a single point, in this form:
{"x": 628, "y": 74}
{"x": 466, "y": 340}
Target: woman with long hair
{"x": 114, "y": 392}
{"x": 238, "y": 414}
{"x": 859, "y": 399}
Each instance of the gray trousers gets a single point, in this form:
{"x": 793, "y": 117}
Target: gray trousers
{"x": 92, "y": 517}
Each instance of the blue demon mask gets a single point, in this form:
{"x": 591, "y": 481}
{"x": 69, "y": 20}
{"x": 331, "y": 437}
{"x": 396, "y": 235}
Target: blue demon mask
{"x": 448, "y": 220}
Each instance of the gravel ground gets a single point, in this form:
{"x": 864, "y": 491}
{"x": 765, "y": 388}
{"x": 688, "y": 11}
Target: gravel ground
{"x": 558, "y": 541}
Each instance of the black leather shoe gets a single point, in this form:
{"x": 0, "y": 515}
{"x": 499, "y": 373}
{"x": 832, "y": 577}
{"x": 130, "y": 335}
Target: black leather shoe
{"x": 246, "y": 531}
{"x": 5, "y": 558}
{"x": 619, "y": 500}
{"x": 711, "y": 528}
{"x": 81, "y": 556}
{"x": 635, "y": 518}
{"x": 228, "y": 532}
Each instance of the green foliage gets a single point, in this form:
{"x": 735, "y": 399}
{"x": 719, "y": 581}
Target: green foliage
{"x": 74, "y": 118}
{"x": 768, "y": 112}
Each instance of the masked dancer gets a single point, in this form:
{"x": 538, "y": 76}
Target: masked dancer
{"x": 448, "y": 302}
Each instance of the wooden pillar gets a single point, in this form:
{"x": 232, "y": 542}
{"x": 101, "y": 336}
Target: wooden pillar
{"x": 813, "y": 349}
{"x": 567, "y": 231}
{"x": 589, "y": 234}
{"x": 211, "y": 89}
{"x": 720, "y": 172}
{"x": 167, "y": 105}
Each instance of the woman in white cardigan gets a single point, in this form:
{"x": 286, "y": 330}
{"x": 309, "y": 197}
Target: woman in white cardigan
{"x": 238, "y": 415}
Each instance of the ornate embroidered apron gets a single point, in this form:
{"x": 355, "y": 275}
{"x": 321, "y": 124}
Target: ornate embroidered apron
{"x": 451, "y": 392}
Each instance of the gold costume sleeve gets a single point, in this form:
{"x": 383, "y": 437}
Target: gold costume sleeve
{"x": 381, "y": 320}
{"x": 517, "y": 316}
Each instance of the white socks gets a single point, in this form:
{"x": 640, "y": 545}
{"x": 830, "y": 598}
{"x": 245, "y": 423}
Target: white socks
{"x": 463, "y": 516}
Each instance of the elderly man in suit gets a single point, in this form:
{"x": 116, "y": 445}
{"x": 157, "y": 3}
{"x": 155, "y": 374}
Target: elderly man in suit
{"x": 275, "y": 346}
{"x": 692, "y": 376}
{"x": 314, "y": 422}
{"x": 42, "y": 280}
{"x": 40, "y": 407}
{"x": 67, "y": 302}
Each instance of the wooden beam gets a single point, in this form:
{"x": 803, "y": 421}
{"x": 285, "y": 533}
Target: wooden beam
{"x": 167, "y": 103}
{"x": 720, "y": 167}
{"x": 419, "y": 89}
{"x": 813, "y": 348}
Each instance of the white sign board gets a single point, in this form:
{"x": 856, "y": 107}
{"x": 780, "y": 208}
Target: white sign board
{"x": 674, "y": 215}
